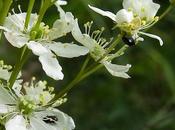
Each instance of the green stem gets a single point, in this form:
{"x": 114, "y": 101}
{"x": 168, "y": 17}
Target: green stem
{"x": 77, "y": 79}
{"x": 22, "y": 59}
{"x": 74, "y": 81}
{"x": 90, "y": 72}
{"x": 29, "y": 11}
{"x": 4, "y": 10}
{"x": 166, "y": 11}
{"x": 45, "y": 5}
{"x": 1, "y": 5}
{"x": 118, "y": 53}
{"x": 113, "y": 45}
{"x": 5, "y": 6}
{"x": 25, "y": 52}
{"x": 84, "y": 65}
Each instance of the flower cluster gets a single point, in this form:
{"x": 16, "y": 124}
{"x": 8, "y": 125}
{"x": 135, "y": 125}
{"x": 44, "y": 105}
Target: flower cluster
{"x": 32, "y": 105}
{"x": 136, "y": 16}
{"x": 41, "y": 43}
{"x": 28, "y": 106}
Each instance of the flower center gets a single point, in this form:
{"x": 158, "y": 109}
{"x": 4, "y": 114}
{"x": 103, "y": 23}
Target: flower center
{"x": 99, "y": 48}
{"x": 41, "y": 33}
{"x": 26, "y": 107}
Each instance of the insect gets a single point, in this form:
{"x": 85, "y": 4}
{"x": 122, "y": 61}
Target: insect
{"x": 50, "y": 119}
{"x": 128, "y": 40}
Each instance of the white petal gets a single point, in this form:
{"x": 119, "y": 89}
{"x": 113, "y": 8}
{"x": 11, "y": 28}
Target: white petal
{"x": 5, "y": 29}
{"x": 117, "y": 70}
{"x": 15, "y": 39}
{"x": 68, "y": 50}
{"x": 17, "y": 87}
{"x": 4, "y": 109}
{"x": 104, "y": 13}
{"x": 124, "y": 16}
{"x": 4, "y": 74}
{"x": 143, "y": 8}
{"x": 5, "y": 96}
{"x": 64, "y": 122}
{"x": 16, "y": 123}
{"x": 38, "y": 124}
{"x": 51, "y": 66}
{"x": 62, "y": 26}
{"x": 37, "y": 48}
{"x": 153, "y": 36}
{"x": 15, "y": 22}
{"x": 84, "y": 39}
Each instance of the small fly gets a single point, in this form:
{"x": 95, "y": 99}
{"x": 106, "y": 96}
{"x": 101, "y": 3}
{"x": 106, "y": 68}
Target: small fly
{"x": 129, "y": 40}
{"x": 50, "y": 119}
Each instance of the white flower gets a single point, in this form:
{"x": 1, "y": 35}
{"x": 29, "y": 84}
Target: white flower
{"x": 4, "y": 71}
{"x": 136, "y": 16}
{"x": 41, "y": 43}
{"x": 124, "y": 16}
{"x": 30, "y": 111}
{"x": 98, "y": 47}
{"x": 16, "y": 123}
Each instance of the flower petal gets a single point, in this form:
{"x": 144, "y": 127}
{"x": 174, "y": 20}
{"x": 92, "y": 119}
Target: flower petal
{"x": 68, "y": 50}
{"x": 62, "y": 26}
{"x": 16, "y": 123}
{"x": 124, "y": 16}
{"x": 4, "y": 109}
{"x": 104, "y": 13}
{"x": 117, "y": 70}
{"x": 51, "y": 66}
{"x": 5, "y": 96}
{"x": 15, "y": 39}
{"x": 17, "y": 87}
{"x": 64, "y": 122}
{"x": 38, "y": 124}
{"x": 153, "y": 36}
{"x": 143, "y": 8}
{"x": 84, "y": 39}
{"x": 37, "y": 48}
{"x": 15, "y": 22}
{"x": 4, "y": 74}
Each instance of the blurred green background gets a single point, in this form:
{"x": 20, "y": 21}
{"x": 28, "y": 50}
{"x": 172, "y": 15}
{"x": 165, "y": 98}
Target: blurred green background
{"x": 103, "y": 102}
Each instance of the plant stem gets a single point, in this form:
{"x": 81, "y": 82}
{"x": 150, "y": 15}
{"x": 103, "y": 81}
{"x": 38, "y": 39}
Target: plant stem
{"x": 118, "y": 53}
{"x": 21, "y": 60}
{"x": 29, "y": 11}
{"x": 77, "y": 79}
{"x": 45, "y": 5}
{"x": 4, "y": 10}
{"x": 90, "y": 72}
{"x": 1, "y": 5}
{"x": 74, "y": 81}
{"x": 113, "y": 45}
{"x": 25, "y": 52}
{"x": 166, "y": 11}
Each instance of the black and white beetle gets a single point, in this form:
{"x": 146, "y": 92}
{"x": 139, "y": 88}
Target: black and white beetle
{"x": 50, "y": 120}
{"x": 128, "y": 40}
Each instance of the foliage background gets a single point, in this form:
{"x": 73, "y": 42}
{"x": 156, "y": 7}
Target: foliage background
{"x": 103, "y": 102}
